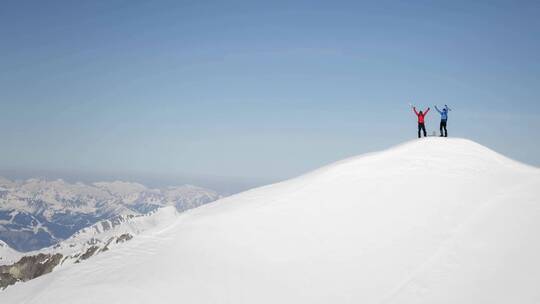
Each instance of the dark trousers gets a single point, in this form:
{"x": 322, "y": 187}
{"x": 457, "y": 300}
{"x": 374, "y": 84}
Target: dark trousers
{"x": 421, "y": 126}
{"x": 443, "y": 127}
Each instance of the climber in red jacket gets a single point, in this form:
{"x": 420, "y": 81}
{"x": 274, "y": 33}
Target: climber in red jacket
{"x": 421, "y": 123}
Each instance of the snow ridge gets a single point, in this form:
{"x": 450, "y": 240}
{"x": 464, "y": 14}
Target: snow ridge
{"x": 435, "y": 220}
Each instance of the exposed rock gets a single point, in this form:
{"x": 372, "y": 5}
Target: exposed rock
{"x": 123, "y": 238}
{"x": 89, "y": 252}
{"x": 106, "y": 247}
{"x": 106, "y": 225}
{"x": 27, "y": 268}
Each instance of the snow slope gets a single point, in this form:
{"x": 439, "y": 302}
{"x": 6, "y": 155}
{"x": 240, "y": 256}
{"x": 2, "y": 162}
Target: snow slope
{"x": 430, "y": 221}
{"x": 7, "y": 254}
{"x": 102, "y": 232}
{"x": 17, "y": 267}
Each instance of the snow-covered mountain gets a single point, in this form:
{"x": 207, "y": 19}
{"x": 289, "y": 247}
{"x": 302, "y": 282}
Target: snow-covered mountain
{"x": 36, "y": 213}
{"x": 434, "y": 220}
{"x": 88, "y": 242}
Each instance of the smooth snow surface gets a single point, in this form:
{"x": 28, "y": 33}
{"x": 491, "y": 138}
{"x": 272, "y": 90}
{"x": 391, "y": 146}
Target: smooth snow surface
{"x": 8, "y": 255}
{"x": 430, "y": 221}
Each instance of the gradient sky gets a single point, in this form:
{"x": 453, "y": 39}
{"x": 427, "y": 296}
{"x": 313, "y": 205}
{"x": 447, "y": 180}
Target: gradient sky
{"x": 230, "y": 93}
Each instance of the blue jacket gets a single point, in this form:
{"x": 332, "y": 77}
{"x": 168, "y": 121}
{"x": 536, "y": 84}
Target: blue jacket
{"x": 444, "y": 112}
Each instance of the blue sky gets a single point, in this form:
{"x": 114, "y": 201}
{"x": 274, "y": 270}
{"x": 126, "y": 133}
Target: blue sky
{"x": 233, "y": 94}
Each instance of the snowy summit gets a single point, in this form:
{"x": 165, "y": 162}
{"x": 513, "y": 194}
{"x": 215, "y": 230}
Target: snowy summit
{"x": 435, "y": 220}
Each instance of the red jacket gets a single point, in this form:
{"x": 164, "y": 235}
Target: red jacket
{"x": 420, "y": 116}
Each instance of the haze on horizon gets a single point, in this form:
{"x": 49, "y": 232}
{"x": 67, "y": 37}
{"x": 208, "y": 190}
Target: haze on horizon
{"x": 236, "y": 94}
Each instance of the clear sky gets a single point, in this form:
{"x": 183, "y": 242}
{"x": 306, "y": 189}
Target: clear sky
{"x": 233, "y": 92}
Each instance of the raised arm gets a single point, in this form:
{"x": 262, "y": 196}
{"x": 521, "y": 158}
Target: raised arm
{"x": 438, "y": 110}
{"x": 414, "y": 109}
{"x": 427, "y": 110}
{"x": 447, "y": 108}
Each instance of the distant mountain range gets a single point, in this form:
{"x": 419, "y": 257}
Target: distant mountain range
{"x": 37, "y": 213}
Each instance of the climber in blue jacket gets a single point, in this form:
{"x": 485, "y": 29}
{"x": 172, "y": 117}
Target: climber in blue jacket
{"x": 444, "y": 119}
